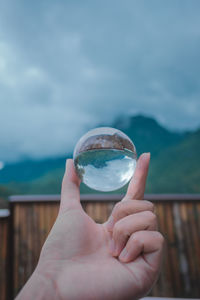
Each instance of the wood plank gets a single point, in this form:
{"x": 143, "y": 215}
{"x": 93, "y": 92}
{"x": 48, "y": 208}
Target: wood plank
{"x": 16, "y": 246}
{"x": 42, "y": 229}
{"x": 89, "y": 209}
{"x": 172, "y": 268}
{"x": 174, "y": 249}
{"x": 105, "y": 214}
{"x": 28, "y": 239}
{"x": 197, "y": 237}
{"x": 36, "y": 235}
{"x": 97, "y": 213}
{"x": 167, "y": 270}
{"x": 4, "y": 223}
{"x": 185, "y": 250}
{"x": 195, "y": 248}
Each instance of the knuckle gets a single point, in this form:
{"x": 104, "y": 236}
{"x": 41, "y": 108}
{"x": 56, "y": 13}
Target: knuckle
{"x": 160, "y": 238}
{"x": 118, "y": 210}
{"x": 150, "y": 205}
{"x": 135, "y": 241}
{"x": 127, "y": 198}
{"x": 150, "y": 216}
{"x": 118, "y": 228}
{"x": 117, "y": 207}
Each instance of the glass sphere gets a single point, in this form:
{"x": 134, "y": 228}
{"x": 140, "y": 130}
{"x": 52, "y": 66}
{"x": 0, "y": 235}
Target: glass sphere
{"x": 105, "y": 159}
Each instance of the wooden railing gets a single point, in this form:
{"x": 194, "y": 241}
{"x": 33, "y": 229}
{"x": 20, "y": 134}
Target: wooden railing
{"x": 179, "y": 221}
{"x": 4, "y": 252}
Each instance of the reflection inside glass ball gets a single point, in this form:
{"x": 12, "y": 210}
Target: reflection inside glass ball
{"x": 105, "y": 159}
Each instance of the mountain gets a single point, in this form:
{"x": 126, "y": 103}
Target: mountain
{"x": 28, "y": 170}
{"x": 174, "y": 167}
{"x": 177, "y": 168}
{"x": 147, "y": 134}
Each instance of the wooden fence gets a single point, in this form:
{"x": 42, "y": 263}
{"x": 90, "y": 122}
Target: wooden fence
{"x": 179, "y": 221}
{"x": 4, "y": 253}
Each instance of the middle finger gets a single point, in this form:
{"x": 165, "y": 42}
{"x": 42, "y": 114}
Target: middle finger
{"x": 123, "y": 229}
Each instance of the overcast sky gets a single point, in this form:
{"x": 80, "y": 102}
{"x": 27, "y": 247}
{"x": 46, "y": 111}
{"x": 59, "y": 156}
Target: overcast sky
{"x": 66, "y": 66}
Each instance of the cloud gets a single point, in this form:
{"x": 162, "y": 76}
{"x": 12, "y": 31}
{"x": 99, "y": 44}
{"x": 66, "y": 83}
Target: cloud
{"x": 68, "y": 66}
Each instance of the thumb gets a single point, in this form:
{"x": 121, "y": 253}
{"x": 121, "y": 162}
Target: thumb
{"x": 137, "y": 184}
{"x": 70, "y": 192}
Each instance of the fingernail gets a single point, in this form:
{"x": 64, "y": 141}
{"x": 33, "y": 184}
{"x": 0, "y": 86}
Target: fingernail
{"x": 69, "y": 166}
{"x": 124, "y": 254}
{"x": 110, "y": 223}
{"x": 112, "y": 246}
{"x": 147, "y": 155}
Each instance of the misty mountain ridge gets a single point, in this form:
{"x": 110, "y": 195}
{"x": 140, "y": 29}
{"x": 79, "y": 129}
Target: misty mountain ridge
{"x": 147, "y": 134}
{"x": 174, "y": 161}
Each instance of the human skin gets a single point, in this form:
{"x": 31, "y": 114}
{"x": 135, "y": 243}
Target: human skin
{"x": 81, "y": 259}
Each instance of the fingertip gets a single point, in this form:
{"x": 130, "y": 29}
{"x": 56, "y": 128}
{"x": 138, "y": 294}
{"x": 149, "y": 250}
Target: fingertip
{"x": 124, "y": 255}
{"x": 136, "y": 186}
{"x": 70, "y": 171}
{"x": 68, "y": 164}
{"x": 70, "y": 191}
{"x": 147, "y": 155}
{"x": 144, "y": 157}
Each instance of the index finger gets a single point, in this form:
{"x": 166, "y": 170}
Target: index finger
{"x": 137, "y": 184}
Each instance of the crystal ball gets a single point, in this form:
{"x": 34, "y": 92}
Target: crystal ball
{"x": 105, "y": 159}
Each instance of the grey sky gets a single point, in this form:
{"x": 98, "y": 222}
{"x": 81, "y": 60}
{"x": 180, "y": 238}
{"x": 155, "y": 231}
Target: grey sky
{"x": 66, "y": 66}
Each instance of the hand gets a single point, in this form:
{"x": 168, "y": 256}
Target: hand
{"x": 80, "y": 259}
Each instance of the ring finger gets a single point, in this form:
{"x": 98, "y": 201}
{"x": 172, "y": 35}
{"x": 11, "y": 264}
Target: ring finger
{"x": 123, "y": 229}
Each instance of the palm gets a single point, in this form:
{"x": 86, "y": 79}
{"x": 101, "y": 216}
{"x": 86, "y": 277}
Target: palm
{"x": 75, "y": 261}
{"x": 88, "y": 261}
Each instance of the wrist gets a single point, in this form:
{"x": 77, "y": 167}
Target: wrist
{"x": 38, "y": 287}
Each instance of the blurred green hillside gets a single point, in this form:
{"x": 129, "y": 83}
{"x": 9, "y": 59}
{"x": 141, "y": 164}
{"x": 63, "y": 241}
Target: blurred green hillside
{"x": 147, "y": 134}
{"x": 174, "y": 168}
{"x": 177, "y": 168}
